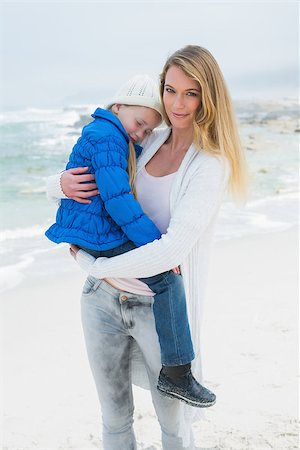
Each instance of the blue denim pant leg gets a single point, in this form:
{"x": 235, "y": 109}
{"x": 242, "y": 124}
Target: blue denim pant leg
{"x": 171, "y": 319}
{"x": 169, "y": 309}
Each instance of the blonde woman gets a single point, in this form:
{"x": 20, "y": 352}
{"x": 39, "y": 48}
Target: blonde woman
{"x": 182, "y": 175}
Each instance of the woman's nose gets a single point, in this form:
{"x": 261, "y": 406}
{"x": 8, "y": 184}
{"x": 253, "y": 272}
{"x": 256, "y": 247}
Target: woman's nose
{"x": 178, "y": 101}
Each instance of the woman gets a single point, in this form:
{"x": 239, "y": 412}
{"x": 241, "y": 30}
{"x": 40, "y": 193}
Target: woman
{"x": 191, "y": 162}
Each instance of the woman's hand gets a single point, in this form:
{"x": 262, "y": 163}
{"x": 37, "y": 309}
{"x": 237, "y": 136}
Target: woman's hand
{"x": 176, "y": 270}
{"x": 73, "y": 250}
{"x": 74, "y": 184}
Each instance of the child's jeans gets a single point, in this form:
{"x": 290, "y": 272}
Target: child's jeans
{"x": 169, "y": 309}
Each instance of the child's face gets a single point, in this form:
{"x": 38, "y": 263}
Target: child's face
{"x": 138, "y": 121}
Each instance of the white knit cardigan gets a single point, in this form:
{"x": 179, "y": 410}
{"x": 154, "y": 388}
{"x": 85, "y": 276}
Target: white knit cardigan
{"x": 196, "y": 196}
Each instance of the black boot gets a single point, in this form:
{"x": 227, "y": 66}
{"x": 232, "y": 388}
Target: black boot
{"x": 178, "y": 382}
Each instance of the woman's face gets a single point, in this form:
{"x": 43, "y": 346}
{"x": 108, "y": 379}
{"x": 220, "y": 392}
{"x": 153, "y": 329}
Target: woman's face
{"x": 181, "y": 97}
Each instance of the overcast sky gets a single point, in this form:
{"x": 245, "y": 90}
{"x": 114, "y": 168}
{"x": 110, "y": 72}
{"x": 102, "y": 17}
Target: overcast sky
{"x": 57, "y": 53}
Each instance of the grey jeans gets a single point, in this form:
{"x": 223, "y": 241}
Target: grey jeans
{"x": 112, "y": 320}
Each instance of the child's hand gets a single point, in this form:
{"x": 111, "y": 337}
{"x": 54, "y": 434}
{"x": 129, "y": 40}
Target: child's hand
{"x": 73, "y": 250}
{"x": 176, "y": 270}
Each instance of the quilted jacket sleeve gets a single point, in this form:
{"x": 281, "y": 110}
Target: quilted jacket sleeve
{"x": 110, "y": 162}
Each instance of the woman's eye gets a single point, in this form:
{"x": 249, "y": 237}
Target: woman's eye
{"x": 139, "y": 123}
{"x": 192, "y": 94}
{"x": 169, "y": 90}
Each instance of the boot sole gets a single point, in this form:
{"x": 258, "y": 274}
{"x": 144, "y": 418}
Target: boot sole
{"x": 184, "y": 399}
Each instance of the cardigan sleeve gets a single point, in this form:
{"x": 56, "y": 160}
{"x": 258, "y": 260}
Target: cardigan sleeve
{"x": 53, "y": 188}
{"x": 193, "y": 214}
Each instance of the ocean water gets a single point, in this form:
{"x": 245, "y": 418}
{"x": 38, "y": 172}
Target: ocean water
{"x": 36, "y": 143}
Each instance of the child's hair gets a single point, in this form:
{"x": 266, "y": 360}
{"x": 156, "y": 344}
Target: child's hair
{"x": 131, "y": 168}
{"x": 140, "y": 90}
{"x": 215, "y": 129}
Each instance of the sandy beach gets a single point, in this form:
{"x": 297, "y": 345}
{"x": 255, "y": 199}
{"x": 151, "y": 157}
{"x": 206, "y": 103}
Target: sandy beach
{"x": 249, "y": 344}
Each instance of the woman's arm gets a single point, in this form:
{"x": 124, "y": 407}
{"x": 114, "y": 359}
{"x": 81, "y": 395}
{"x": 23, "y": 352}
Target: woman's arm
{"x": 193, "y": 214}
{"x": 72, "y": 184}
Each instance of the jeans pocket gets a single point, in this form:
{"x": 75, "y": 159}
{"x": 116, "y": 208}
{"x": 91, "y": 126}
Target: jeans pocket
{"x": 88, "y": 285}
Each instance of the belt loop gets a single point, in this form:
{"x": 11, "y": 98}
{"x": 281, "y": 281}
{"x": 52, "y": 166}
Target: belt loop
{"x": 97, "y": 284}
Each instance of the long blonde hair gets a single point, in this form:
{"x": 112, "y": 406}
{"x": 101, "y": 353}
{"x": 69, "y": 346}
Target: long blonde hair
{"x": 131, "y": 168}
{"x": 215, "y": 129}
{"x": 131, "y": 162}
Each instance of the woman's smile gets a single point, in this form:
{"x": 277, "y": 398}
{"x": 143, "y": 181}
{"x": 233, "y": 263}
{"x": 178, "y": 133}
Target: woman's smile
{"x": 179, "y": 116}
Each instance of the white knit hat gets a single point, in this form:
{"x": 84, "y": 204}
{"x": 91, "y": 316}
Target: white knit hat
{"x": 140, "y": 90}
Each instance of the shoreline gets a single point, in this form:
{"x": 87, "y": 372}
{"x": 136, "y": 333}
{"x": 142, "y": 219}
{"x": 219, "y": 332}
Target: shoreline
{"x": 249, "y": 351}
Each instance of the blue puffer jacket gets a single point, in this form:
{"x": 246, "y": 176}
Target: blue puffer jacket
{"x": 113, "y": 217}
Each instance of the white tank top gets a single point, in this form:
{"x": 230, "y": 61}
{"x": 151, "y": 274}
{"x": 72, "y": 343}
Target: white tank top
{"x": 154, "y": 197}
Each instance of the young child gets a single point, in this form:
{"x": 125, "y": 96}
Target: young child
{"x": 114, "y": 223}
